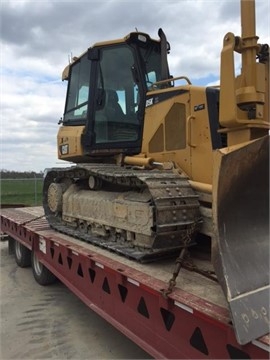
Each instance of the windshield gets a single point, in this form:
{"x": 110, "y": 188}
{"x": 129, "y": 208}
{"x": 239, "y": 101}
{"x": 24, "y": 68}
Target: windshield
{"x": 151, "y": 58}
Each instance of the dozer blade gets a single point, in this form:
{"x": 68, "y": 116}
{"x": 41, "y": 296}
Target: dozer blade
{"x": 241, "y": 234}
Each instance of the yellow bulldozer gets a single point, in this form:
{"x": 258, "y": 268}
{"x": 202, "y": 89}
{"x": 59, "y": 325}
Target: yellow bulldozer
{"x": 160, "y": 167}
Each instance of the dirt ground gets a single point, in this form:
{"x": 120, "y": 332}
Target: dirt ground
{"x": 51, "y": 322}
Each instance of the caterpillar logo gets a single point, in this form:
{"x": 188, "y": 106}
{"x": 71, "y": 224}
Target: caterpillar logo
{"x": 149, "y": 102}
{"x": 64, "y": 149}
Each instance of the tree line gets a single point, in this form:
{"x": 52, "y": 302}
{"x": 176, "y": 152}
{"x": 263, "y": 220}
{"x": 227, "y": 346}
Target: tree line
{"x": 11, "y": 174}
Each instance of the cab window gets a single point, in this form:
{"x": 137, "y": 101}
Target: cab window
{"x": 116, "y": 118}
{"x": 78, "y": 90}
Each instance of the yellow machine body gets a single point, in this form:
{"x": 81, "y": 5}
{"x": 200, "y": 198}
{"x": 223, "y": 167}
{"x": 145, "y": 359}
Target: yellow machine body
{"x": 166, "y": 163}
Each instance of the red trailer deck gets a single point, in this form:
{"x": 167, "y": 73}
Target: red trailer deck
{"x": 192, "y": 322}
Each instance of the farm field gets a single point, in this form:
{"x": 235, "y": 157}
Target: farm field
{"x": 21, "y": 191}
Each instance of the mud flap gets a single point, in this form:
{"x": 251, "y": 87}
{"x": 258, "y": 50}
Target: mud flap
{"x": 240, "y": 245}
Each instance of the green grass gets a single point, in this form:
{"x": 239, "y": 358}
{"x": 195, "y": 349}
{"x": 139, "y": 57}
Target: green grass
{"x": 21, "y": 191}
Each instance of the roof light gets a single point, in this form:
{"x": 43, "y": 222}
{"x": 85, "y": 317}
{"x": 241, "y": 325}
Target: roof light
{"x": 142, "y": 38}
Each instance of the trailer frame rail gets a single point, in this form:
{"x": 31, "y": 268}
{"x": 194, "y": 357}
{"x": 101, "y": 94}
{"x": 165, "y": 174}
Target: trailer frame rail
{"x": 181, "y": 326}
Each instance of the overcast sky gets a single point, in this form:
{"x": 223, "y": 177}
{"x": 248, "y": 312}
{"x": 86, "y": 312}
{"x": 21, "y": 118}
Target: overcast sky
{"x": 37, "y": 38}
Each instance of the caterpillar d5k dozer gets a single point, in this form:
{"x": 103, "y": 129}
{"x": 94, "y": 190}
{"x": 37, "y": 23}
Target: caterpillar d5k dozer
{"x": 159, "y": 164}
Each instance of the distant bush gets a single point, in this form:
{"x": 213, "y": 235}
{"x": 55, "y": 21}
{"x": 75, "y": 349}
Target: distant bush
{"x": 11, "y": 174}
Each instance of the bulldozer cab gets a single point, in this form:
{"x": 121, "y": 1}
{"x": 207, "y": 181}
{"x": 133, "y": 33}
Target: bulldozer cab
{"x": 106, "y": 92}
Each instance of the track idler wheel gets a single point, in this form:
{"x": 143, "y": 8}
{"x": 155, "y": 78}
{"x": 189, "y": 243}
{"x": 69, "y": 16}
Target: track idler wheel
{"x": 55, "y": 197}
{"x": 94, "y": 183}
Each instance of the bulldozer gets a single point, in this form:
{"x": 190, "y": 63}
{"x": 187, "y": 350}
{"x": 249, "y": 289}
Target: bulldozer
{"x": 157, "y": 164}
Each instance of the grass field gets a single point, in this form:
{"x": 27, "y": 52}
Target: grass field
{"x": 21, "y": 191}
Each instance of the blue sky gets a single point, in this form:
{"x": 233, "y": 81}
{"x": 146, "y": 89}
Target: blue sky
{"x": 37, "y": 38}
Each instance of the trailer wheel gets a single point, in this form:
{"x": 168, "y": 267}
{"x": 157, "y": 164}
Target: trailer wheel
{"x": 22, "y": 255}
{"x": 42, "y": 275}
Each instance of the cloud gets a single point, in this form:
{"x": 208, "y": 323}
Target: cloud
{"x": 37, "y": 38}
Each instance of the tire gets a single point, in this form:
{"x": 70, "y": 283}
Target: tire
{"x": 42, "y": 275}
{"x": 22, "y": 255}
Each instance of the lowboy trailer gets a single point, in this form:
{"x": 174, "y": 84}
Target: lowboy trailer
{"x": 192, "y": 321}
